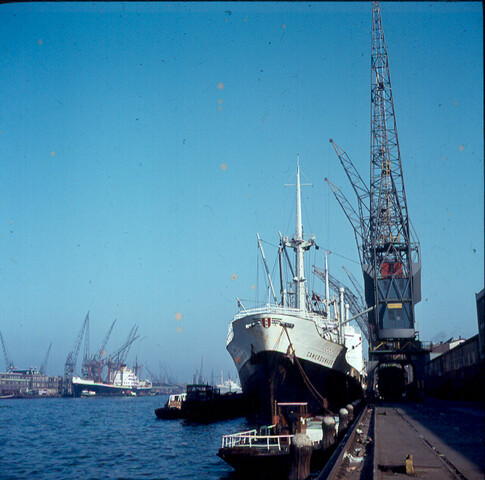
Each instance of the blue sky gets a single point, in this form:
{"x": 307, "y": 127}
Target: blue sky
{"x": 144, "y": 145}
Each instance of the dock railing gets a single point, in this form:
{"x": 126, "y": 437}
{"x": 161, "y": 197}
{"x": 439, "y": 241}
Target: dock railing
{"x": 251, "y": 439}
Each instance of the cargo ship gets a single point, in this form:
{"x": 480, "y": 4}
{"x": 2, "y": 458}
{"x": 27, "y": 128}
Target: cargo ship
{"x": 124, "y": 382}
{"x": 296, "y": 348}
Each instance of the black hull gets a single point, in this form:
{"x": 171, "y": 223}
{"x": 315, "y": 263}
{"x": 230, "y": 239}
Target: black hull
{"x": 166, "y": 413}
{"x": 270, "y": 377}
{"x": 218, "y": 407}
{"x": 275, "y": 464}
{"x": 258, "y": 463}
{"x": 106, "y": 390}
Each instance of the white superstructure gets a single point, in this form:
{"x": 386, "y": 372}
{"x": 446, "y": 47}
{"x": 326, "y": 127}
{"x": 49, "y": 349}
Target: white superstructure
{"x": 124, "y": 377}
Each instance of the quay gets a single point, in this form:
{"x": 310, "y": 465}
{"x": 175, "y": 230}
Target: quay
{"x": 433, "y": 440}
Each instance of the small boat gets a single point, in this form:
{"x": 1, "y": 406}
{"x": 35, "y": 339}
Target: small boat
{"x": 5, "y": 397}
{"x": 257, "y": 452}
{"x": 173, "y": 407}
{"x": 88, "y": 393}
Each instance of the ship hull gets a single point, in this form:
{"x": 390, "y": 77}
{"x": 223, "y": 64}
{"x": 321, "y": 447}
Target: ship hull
{"x": 285, "y": 358}
{"x": 271, "y": 377}
{"x": 104, "y": 389}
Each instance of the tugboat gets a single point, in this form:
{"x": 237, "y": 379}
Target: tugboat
{"x": 203, "y": 403}
{"x": 294, "y": 349}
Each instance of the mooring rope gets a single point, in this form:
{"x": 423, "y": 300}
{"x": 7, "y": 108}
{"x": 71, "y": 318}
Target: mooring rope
{"x": 307, "y": 381}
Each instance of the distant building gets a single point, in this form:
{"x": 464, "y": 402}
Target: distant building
{"x": 28, "y": 383}
{"x": 456, "y": 367}
{"x": 438, "y": 349}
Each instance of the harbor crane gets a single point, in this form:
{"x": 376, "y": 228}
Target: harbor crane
{"x": 43, "y": 367}
{"x": 102, "y": 351}
{"x": 9, "y": 365}
{"x": 94, "y": 365}
{"x": 388, "y": 247}
{"x": 71, "y": 360}
{"x": 118, "y": 358}
{"x": 85, "y": 362}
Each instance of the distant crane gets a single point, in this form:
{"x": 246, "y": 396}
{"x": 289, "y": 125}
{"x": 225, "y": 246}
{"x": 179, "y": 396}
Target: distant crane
{"x": 9, "y": 365}
{"x": 117, "y": 360}
{"x": 387, "y": 244}
{"x": 86, "y": 360}
{"x": 44, "y": 363}
{"x": 94, "y": 365}
{"x": 102, "y": 352}
{"x": 154, "y": 378}
{"x": 71, "y": 360}
{"x": 201, "y": 378}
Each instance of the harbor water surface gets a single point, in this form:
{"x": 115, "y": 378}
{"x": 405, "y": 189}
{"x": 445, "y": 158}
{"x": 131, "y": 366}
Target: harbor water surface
{"x": 107, "y": 438}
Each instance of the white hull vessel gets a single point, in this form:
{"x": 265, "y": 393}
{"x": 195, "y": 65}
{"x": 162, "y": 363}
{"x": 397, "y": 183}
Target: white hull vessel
{"x": 123, "y": 382}
{"x": 292, "y": 351}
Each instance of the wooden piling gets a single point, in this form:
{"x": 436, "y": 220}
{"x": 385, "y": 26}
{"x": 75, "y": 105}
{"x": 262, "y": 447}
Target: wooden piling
{"x": 329, "y": 433}
{"x": 350, "y": 409}
{"x": 343, "y": 416}
{"x": 301, "y": 453}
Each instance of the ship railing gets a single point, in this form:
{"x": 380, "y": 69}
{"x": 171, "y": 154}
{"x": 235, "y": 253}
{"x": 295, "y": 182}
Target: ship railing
{"x": 278, "y": 310}
{"x": 251, "y": 439}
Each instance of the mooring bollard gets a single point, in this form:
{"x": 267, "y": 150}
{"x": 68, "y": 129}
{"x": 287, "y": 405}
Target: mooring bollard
{"x": 343, "y": 416}
{"x": 301, "y": 454}
{"x": 328, "y": 426}
{"x": 350, "y": 409}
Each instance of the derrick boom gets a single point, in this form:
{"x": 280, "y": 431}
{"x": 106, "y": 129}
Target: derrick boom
{"x": 102, "y": 352}
{"x": 360, "y": 188}
{"x": 352, "y": 216}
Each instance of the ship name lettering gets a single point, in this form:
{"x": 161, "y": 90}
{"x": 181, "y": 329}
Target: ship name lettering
{"x": 318, "y": 358}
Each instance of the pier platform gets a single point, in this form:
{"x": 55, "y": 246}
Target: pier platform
{"x": 445, "y": 440}
{"x": 431, "y": 440}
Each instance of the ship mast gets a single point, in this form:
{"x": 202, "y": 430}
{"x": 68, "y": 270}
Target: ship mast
{"x": 299, "y": 245}
{"x": 300, "y": 265}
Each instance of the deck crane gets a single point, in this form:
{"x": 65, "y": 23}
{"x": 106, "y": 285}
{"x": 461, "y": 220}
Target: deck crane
{"x": 71, "y": 360}
{"x": 9, "y": 365}
{"x": 355, "y": 305}
{"x": 44, "y": 363}
{"x": 388, "y": 248}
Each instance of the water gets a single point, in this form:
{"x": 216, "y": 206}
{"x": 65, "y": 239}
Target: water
{"x": 107, "y": 438}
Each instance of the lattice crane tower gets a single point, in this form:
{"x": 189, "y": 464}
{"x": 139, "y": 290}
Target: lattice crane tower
{"x": 388, "y": 247}
{"x": 392, "y": 279}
